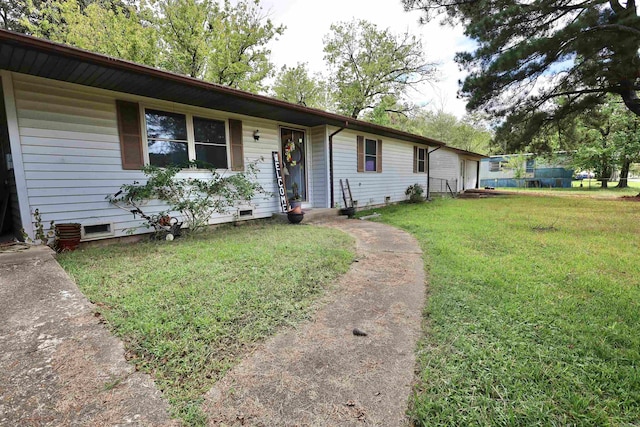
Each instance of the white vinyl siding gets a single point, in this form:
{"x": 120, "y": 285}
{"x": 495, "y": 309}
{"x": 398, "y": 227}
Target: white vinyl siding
{"x": 71, "y": 153}
{"x": 319, "y": 170}
{"x": 444, "y": 165}
{"x": 372, "y": 188}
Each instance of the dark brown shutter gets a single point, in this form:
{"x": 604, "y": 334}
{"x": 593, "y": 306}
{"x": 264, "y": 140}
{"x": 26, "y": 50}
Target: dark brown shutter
{"x": 360, "y": 152}
{"x": 379, "y": 157}
{"x": 415, "y": 159}
{"x": 237, "y": 151}
{"x": 130, "y": 135}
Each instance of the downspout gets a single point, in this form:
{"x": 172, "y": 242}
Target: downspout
{"x": 331, "y": 161}
{"x": 478, "y": 174}
{"x": 429, "y": 171}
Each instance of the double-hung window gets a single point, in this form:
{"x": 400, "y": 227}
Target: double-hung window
{"x": 370, "y": 155}
{"x": 495, "y": 165}
{"x": 530, "y": 166}
{"x": 167, "y": 141}
{"x": 210, "y": 142}
{"x": 420, "y": 160}
{"x": 176, "y": 139}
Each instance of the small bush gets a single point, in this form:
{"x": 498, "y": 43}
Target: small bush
{"x": 414, "y": 192}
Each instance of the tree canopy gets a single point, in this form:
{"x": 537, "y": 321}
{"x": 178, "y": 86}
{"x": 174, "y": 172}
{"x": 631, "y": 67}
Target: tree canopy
{"x": 213, "y": 40}
{"x": 114, "y": 29}
{"x": 608, "y": 139}
{"x": 528, "y": 54}
{"x": 295, "y": 85}
{"x": 466, "y": 133}
{"x": 368, "y": 65}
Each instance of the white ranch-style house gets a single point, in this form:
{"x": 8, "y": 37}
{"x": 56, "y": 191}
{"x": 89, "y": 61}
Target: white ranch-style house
{"x": 75, "y": 126}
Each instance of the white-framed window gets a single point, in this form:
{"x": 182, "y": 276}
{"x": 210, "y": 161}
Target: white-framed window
{"x": 530, "y": 166}
{"x": 175, "y": 139}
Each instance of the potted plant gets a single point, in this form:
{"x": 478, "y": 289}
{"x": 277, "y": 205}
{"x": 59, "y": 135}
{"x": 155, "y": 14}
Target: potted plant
{"x": 295, "y": 214}
{"x": 295, "y": 204}
{"x": 67, "y": 236}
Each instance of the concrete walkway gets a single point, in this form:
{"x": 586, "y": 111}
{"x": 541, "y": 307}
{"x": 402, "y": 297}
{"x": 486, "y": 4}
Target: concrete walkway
{"x": 321, "y": 374}
{"x": 59, "y": 366}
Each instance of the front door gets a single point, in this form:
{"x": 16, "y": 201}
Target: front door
{"x": 294, "y": 163}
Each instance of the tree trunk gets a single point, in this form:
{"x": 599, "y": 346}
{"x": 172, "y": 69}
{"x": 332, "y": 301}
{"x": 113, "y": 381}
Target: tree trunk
{"x": 624, "y": 174}
{"x": 629, "y": 96}
{"x": 604, "y": 182}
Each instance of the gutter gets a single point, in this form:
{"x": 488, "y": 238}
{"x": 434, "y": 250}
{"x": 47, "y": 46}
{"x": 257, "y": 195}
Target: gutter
{"x": 429, "y": 171}
{"x": 331, "y": 162}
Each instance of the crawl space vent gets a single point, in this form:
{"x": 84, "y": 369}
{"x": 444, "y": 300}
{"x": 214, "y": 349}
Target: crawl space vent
{"x": 97, "y": 229}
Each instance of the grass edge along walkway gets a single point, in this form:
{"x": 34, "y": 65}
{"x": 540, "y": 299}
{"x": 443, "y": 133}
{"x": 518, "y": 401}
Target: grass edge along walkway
{"x": 188, "y": 310}
{"x": 532, "y": 313}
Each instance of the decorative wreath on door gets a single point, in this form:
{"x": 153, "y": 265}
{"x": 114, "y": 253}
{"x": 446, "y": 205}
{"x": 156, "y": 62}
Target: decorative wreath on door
{"x": 291, "y": 153}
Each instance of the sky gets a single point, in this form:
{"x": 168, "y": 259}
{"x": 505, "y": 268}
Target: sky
{"x": 308, "y": 21}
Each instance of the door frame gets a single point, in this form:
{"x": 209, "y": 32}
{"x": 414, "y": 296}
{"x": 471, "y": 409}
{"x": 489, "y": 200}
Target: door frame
{"x": 305, "y": 132}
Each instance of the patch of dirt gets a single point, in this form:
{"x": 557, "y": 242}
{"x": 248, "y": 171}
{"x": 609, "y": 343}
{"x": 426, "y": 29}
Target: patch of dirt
{"x": 322, "y": 373}
{"x": 631, "y": 198}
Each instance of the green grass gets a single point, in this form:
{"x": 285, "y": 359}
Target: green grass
{"x": 590, "y": 188}
{"x": 188, "y": 310}
{"x": 533, "y": 311}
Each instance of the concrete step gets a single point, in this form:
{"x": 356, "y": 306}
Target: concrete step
{"x": 314, "y": 216}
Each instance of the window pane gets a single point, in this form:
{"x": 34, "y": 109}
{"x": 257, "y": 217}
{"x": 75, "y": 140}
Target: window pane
{"x": 370, "y": 163}
{"x": 421, "y": 154}
{"x": 370, "y": 147}
{"x": 167, "y": 153}
{"x": 206, "y": 130}
{"x": 421, "y": 165}
{"x": 212, "y": 155}
{"x": 531, "y": 164}
{"x": 161, "y": 125}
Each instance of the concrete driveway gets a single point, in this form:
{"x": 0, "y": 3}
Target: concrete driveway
{"x": 58, "y": 364}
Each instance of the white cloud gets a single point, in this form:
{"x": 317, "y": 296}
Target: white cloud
{"x": 308, "y": 22}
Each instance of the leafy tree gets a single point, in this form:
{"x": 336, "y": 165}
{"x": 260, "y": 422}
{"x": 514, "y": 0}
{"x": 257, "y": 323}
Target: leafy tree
{"x": 15, "y": 13}
{"x": 369, "y": 64}
{"x": 467, "y": 133}
{"x": 295, "y": 85}
{"x": 239, "y": 56}
{"x": 626, "y": 139}
{"x": 531, "y": 52}
{"x": 390, "y": 112}
{"x": 516, "y": 163}
{"x": 596, "y": 150}
{"x": 106, "y": 27}
{"x": 207, "y": 39}
{"x": 186, "y": 34}
{"x": 221, "y": 43}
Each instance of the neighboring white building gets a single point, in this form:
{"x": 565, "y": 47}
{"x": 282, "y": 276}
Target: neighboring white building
{"x": 77, "y": 125}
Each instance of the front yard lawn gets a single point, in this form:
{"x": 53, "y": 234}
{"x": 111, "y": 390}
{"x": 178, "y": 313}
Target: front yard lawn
{"x": 188, "y": 310}
{"x": 533, "y": 311}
